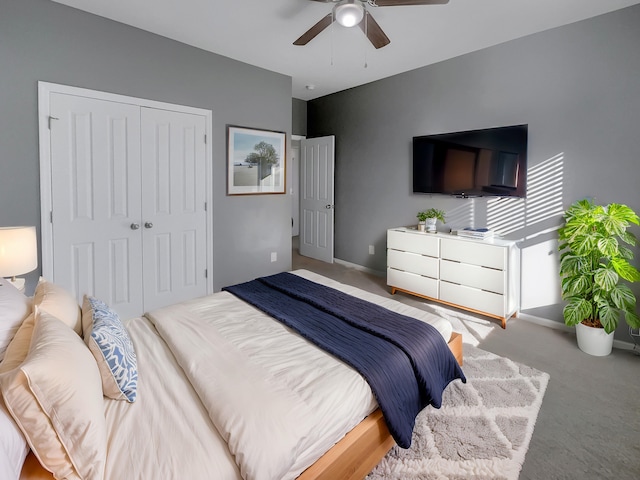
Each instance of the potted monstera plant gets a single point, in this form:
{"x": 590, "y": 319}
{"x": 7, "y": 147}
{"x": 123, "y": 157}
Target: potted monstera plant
{"x": 429, "y": 218}
{"x": 595, "y": 253}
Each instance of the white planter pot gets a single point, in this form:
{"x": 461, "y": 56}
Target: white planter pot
{"x": 594, "y": 341}
{"x": 431, "y": 225}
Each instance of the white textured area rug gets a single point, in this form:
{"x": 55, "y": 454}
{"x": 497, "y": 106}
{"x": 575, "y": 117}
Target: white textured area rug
{"x": 481, "y": 432}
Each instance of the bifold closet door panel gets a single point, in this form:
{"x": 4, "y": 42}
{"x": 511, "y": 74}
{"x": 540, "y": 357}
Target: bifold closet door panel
{"x": 173, "y": 206}
{"x": 95, "y": 190}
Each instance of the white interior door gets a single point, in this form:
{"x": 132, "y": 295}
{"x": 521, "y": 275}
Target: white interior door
{"x": 95, "y": 195}
{"x": 317, "y": 197}
{"x": 173, "y": 206}
{"x": 295, "y": 188}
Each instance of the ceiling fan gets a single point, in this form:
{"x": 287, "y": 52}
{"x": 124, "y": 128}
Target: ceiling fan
{"x": 350, "y": 13}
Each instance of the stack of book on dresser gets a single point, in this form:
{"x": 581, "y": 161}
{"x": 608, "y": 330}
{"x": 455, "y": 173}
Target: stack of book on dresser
{"x": 480, "y": 233}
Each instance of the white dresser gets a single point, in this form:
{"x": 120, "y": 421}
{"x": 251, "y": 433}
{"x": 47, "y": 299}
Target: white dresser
{"x": 482, "y": 276}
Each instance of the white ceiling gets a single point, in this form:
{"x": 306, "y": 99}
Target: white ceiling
{"x": 261, "y": 32}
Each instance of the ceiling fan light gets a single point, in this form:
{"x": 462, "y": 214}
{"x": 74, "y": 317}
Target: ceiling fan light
{"x": 348, "y": 13}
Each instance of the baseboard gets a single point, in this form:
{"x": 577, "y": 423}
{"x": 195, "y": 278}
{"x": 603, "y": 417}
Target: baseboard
{"x": 545, "y": 322}
{"x": 355, "y": 266}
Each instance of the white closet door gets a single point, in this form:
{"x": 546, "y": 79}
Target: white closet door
{"x": 173, "y": 206}
{"x": 95, "y": 185}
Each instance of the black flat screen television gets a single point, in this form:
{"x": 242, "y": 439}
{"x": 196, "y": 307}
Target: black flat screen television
{"x": 488, "y": 162}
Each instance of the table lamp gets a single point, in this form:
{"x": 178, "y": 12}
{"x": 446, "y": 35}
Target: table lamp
{"x": 18, "y": 253}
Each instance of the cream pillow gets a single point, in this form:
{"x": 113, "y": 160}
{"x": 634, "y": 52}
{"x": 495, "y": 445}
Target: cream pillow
{"x": 14, "y": 308}
{"x": 55, "y": 396}
{"x": 58, "y": 302}
{"x": 19, "y": 347}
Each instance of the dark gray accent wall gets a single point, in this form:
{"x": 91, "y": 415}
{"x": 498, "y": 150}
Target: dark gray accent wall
{"x": 577, "y": 89}
{"x": 43, "y": 40}
{"x": 299, "y": 117}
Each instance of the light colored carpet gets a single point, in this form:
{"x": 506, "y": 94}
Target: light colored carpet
{"x": 481, "y": 432}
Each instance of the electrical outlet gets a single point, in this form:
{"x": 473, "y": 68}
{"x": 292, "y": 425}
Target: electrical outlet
{"x": 274, "y": 256}
{"x": 372, "y": 250}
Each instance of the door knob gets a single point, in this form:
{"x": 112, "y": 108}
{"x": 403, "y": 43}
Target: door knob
{"x": 148, "y": 225}
{"x": 135, "y": 226}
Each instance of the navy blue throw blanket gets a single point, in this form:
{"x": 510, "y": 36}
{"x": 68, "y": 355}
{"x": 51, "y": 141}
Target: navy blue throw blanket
{"x": 406, "y": 362}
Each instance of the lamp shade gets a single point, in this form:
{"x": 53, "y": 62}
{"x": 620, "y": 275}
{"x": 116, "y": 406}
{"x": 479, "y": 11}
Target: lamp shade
{"x": 18, "y": 250}
{"x": 348, "y": 13}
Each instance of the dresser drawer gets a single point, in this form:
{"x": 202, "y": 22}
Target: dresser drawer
{"x": 416, "y": 242}
{"x": 414, "y": 263}
{"x": 474, "y": 298}
{"x": 473, "y": 276}
{"x": 413, "y": 283}
{"x": 474, "y": 253}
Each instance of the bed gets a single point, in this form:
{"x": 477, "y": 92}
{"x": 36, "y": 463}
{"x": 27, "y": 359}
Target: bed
{"x": 274, "y": 406}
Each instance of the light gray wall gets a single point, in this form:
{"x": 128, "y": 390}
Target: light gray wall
{"x": 576, "y": 87}
{"x": 43, "y": 40}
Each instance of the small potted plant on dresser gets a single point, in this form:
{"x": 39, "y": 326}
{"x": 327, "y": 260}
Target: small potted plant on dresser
{"x": 427, "y": 219}
{"x": 594, "y": 259}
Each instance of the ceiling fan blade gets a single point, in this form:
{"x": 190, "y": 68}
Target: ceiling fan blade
{"x": 397, "y": 3}
{"x": 310, "y": 34}
{"x": 373, "y": 31}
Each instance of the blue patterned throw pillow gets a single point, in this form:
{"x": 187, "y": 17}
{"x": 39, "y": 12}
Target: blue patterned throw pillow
{"x": 112, "y": 348}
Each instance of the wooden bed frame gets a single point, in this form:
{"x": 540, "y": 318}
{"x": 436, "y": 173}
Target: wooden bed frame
{"x": 352, "y": 458}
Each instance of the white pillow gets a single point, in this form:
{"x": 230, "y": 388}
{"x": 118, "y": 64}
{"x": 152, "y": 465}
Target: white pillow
{"x": 55, "y": 397}
{"x": 58, "y": 302}
{"x": 14, "y": 308}
{"x": 13, "y": 446}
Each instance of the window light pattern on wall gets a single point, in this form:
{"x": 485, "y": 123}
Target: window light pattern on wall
{"x": 462, "y": 216}
{"x": 544, "y": 199}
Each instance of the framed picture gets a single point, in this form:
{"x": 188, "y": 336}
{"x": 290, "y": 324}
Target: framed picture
{"x": 255, "y": 161}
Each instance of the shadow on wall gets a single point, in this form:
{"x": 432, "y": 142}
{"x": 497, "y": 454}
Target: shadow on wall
{"x": 462, "y": 216}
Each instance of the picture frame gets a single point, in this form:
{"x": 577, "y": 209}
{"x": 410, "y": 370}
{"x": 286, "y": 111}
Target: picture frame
{"x": 256, "y": 161}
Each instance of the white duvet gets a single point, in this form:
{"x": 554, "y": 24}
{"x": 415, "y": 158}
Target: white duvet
{"x": 226, "y": 392}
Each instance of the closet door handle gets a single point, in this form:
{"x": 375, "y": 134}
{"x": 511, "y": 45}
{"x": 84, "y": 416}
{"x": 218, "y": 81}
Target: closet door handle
{"x": 148, "y": 225}
{"x": 135, "y": 226}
